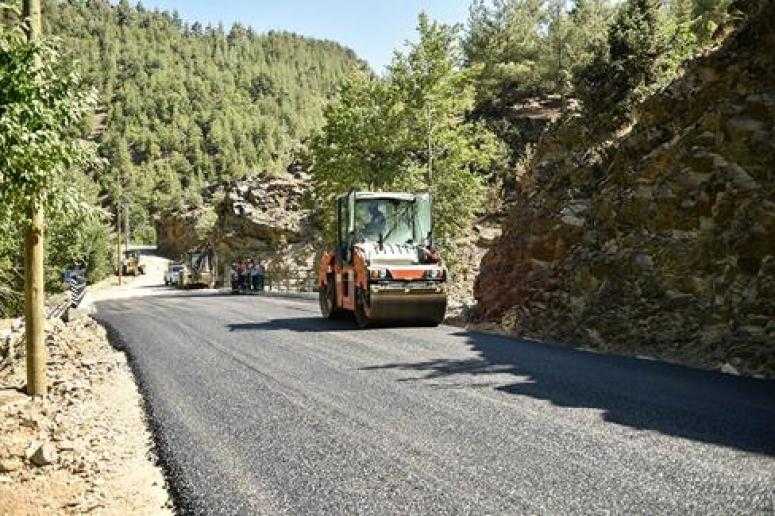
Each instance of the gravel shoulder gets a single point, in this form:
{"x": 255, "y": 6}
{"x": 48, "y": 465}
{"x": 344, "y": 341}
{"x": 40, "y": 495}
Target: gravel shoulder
{"x": 86, "y": 446}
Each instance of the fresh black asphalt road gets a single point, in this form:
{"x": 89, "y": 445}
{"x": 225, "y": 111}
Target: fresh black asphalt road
{"x": 260, "y": 406}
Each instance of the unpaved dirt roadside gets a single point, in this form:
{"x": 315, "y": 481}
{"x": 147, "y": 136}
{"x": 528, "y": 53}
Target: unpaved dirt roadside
{"x": 85, "y": 447}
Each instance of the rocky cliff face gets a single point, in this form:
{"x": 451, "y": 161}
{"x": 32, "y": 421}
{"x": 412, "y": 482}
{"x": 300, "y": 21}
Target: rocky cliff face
{"x": 267, "y": 217}
{"x": 661, "y": 241}
{"x": 270, "y": 219}
{"x": 176, "y": 233}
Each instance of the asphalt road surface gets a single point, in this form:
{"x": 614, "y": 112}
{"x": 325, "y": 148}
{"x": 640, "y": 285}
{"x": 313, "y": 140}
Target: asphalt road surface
{"x": 260, "y": 406}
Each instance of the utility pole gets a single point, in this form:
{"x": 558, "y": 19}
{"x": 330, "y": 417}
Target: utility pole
{"x": 430, "y": 147}
{"x": 120, "y": 205}
{"x": 559, "y": 28}
{"x": 34, "y": 293}
{"x": 127, "y": 198}
{"x": 126, "y": 226}
{"x": 119, "y": 261}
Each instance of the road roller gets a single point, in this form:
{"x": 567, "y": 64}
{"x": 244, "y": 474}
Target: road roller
{"x": 384, "y": 267}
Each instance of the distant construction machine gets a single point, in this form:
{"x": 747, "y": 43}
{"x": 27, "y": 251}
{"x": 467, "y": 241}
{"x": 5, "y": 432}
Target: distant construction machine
{"x": 385, "y": 266}
{"x": 131, "y": 264}
{"x": 200, "y": 269}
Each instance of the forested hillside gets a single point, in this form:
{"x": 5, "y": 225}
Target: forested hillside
{"x": 534, "y": 61}
{"x": 176, "y": 107}
{"x": 183, "y": 104}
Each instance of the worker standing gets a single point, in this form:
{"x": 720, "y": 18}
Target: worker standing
{"x": 260, "y": 275}
{"x": 253, "y": 276}
{"x": 241, "y": 274}
{"x": 234, "y": 277}
{"x": 247, "y": 275}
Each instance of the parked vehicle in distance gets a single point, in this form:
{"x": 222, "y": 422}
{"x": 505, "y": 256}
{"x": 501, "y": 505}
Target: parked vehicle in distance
{"x": 385, "y": 266}
{"x": 172, "y": 274}
{"x": 75, "y": 274}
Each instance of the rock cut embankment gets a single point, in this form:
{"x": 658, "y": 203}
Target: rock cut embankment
{"x": 661, "y": 241}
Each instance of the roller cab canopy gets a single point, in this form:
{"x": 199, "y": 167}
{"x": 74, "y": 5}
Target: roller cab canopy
{"x": 396, "y": 218}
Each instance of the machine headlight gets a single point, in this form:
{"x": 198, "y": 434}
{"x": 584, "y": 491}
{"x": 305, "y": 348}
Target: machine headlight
{"x": 377, "y": 274}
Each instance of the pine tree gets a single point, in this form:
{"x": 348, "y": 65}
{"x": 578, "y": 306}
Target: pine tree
{"x": 632, "y": 68}
{"x": 409, "y": 131}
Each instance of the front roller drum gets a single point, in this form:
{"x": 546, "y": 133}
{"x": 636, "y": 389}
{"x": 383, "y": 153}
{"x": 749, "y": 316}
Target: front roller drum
{"x": 406, "y": 307}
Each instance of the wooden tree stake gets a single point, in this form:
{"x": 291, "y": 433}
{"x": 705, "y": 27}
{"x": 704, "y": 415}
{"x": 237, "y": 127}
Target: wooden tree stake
{"x": 34, "y": 284}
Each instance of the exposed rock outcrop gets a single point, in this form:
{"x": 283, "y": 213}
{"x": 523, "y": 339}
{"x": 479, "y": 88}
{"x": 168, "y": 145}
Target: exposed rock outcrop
{"x": 661, "y": 241}
{"x": 271, "y": 219}
{"x": 268, "y": 217}
{"x": 180, "y": 231}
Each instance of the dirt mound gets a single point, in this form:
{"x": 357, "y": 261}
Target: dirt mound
{"x": 662, "y": 240}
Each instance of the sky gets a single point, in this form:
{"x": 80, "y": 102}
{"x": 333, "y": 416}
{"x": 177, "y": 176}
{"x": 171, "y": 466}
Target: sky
{"x": 372, "y": 28}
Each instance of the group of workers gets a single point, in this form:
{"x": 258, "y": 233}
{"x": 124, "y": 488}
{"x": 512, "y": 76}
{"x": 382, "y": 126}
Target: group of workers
{"x": 247, "y": 275}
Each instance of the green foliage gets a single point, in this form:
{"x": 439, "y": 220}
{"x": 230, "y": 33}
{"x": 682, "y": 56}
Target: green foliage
{"x": 609, "y": 55}
{"x": 11, "y": 273}
{"x": 531, "y": 45}
{"x": 679, "y": 30}
{"x": 78, "y": 240}
{"x": 43, "y": 107}
{"x": 630, "y": 69}
{"x": 528, "y": 49}
{"x": 408, "y": 132}
{"x": 647, "y": 44}
{"x": 359, "y": 146}
{"x": 184, "y": 105}
{"x": 707, "y": 16}
{"x": 506, "y": 42}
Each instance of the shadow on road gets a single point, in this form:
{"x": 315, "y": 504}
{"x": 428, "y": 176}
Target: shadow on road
{"x": 298, "y": 324}
{"x": 673, "y": 400}
{"x": 316, "y": 324}
{"x": 192, "y": 293}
